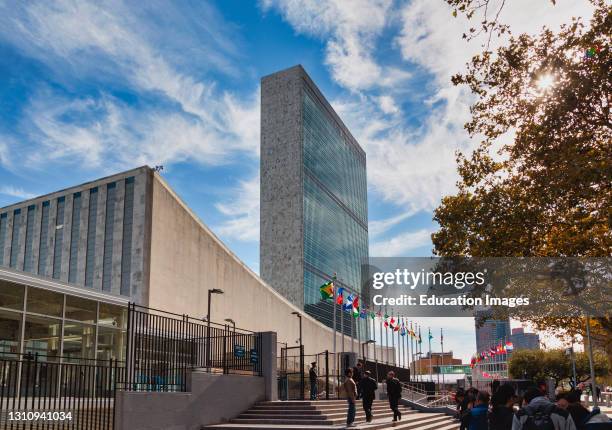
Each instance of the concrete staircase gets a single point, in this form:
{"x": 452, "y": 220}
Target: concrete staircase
{"x": 314, "y": 415}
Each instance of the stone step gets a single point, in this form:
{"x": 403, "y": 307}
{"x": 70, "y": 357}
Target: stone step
{"x": 421, "y": 422}
{"x": 343, "y": 409}
{"x": 281, "y": 421}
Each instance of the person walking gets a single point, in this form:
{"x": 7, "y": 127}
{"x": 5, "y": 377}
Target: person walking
{"x": 539, "y": 413}
{"x": 394, "y": 393}
{"x": 313, "y": 376}
{"x": 368, "y": 392}
{"x": 350, "y": 389}
{"x": 502, "y": 408}
{"x": 357, "y": 374}
{"x": 478, "y": 414}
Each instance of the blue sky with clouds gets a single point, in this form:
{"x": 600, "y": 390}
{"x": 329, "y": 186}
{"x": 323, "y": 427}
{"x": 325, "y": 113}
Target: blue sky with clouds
{"x": 91, "y": 88}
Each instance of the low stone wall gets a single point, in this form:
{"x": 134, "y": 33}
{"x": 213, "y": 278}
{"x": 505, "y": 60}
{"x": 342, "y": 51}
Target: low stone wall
{"x": 212, "y": 399}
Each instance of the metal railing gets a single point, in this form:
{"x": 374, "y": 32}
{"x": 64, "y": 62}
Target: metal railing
{"x": 163, "y": 347}
{"x": 428, "y": 399}
{"x": 42, "y": 392}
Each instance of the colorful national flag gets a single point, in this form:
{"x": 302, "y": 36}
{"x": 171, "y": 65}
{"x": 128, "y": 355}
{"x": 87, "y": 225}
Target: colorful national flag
{"x": 348, "y": 305}
{"x": 430, "y": 335}
{"x": 356, "y": 306}
{"x": 340, "y": 296}
{"x": 327, "y": 290}
{"x": 509, "y": 346}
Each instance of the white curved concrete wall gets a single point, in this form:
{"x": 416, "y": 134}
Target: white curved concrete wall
{"x": 187, "y": 259}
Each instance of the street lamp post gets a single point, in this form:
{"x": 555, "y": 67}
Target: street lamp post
{"x": 210, "y": 293}
{"x": 297, "y": 314}
{"x": 233, "y": 347}
{"x": 364, "y": 347}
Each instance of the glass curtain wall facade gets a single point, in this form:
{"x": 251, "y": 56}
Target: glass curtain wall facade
{"x": 335, "y": 211}
{"x": 59, "y": 327}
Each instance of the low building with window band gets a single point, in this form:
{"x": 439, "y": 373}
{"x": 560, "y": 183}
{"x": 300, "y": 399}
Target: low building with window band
{"x": 72, "y": 260}
{"x": 314, "y": 213}
{"x": 69, "y": 263}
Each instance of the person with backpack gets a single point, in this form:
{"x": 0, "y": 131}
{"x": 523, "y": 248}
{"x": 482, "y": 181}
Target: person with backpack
{"x": 597, "y": 421}
{"x": 394, "y": 393}
{"x": 478, "y": 414}
{"x": 368, "y": 392}
{"x": 502, "y": 408}
{"x": 539, "y": 413}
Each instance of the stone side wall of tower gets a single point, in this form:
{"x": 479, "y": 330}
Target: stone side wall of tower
{"x": 281, "y": 228}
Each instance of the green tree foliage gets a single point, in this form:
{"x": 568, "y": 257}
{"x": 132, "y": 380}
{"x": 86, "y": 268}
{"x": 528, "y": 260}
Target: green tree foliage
{"x": 547, "y": 191}
{"x": 555, "y": 364}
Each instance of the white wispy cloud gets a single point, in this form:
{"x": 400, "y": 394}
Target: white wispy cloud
{"x": 378, "y": 227}
{"x": 242, "y": 210}
{"x": 400, "y": 244}
{"x": 20, "y": 193}
{"x": 108, "y": 41}
{"x": 411, "y": 165}
{"x": 350, "y": 30}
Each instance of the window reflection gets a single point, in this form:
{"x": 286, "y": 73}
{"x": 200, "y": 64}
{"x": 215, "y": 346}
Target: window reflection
{"x": 111, "y": 344}
{"x": 78, "y": 341}
{"x": 45, "y": 302}
{"x": 11, "y": 295}
{"x": 113, "y": 316}
{"x": 80, "y": 309}
{"x": 42, "y": 335}
{"x": 10, "y": 331}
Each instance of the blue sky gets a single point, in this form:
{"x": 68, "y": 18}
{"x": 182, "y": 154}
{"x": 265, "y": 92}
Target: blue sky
{"x": 89, "y": 89}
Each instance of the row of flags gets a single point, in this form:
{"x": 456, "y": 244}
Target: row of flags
{"x": 502, "y": 348}
{"x": 351, "y": 305}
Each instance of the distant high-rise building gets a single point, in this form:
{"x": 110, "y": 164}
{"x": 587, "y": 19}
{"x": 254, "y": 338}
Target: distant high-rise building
{"x": 314, "y": 212}
{"x": 490, "y": 332}
{"x": 522, "y": 340}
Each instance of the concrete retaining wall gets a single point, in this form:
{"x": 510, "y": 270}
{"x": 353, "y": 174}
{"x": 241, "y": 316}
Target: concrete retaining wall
{"x": 213, "y": 399}
{"x": 187, "y": 259}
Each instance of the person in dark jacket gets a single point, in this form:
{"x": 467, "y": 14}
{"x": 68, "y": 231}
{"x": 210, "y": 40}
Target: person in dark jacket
{"x": 368, "y": 392}
{"x": 502, "y": 411}
{"x": 357, "y": 374}
{"x": 312, "y": 375}
{"x": 394, "y": 393}
{"x": 478, "y": 414}
{"x": 578, "y": 412}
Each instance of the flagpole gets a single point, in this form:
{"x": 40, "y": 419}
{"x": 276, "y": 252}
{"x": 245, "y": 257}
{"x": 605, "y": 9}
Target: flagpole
{"x": 442, "y": 350}
{"x": 335, "y": 327}
{"x": 387, "y": 340}
{"x": 416, "y": 351}
{"x": 430, "y": 357}
{"x": 419, "y": 353}
{"x": 352, "y": 335}
{"x": 342, "y": 328}
{"x": 381, "y": 336}
{"x": 399, "y": 343}
{"x": 392, "y": 342}
{"x": 406, "y": 357}
{"x": 411, "y": 353}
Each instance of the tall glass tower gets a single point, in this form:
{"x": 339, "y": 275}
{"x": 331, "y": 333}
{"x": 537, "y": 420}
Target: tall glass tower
{"x": 314, "y": 216}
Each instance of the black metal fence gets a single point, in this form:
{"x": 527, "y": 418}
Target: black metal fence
{"x": 379, "y": 371}
{"x": 163, "y": 347}
{"x": 38, "y": 392}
